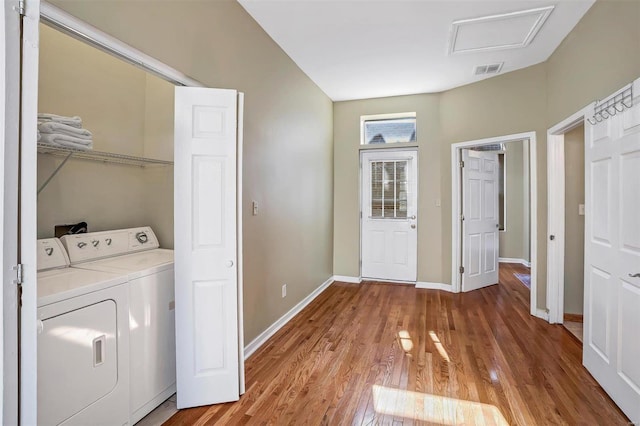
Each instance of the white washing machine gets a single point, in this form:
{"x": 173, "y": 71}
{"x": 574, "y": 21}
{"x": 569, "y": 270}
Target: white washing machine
{"x": 83, "y": 342}
{"x": 150, "y": 271}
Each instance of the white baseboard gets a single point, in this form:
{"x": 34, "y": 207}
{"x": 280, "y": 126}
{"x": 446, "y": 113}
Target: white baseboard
{"x": 542, "y": 313}
{"x": 345, "y": 279}
{"x": 273, "y": 328}
{"x": 514, "y": 260}
{"x": 434, "y": 286}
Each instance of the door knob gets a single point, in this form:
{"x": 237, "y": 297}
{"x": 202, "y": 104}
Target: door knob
{"x": 413, "y": 217}
{"x": 552, "y": 237}
{"x": 229, "y": 263}
{"x": 413, "y": 226}
{"x": 636, "y": 275}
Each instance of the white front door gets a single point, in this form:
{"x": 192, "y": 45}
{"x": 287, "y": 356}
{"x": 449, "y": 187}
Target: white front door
{"x": 612, "y": 256}
{"x": 389, "y": 197}
{"x": 206, "y": 261}
{"x": 480, "y": 219}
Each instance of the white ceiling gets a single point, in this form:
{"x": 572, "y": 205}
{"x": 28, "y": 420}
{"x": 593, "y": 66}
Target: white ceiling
{"x": 358, "y": 49}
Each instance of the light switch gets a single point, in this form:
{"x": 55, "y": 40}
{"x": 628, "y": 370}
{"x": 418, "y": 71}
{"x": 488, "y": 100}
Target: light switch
{"x": 438, "y": 202}
{"x": 255, "y": 208}
{"x": 581, "y": 209}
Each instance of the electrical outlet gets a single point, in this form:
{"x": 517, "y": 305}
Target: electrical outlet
{"x": 284, "y": 290}
{"x": 255, "y": 208}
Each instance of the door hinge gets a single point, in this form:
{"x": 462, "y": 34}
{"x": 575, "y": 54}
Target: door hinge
{"x": 462, "y": 269}
{"x": 20, "y": 8}
{"x": 461, "y": 217}
{"x": 360, "y": 215}
{"x": 462, "y": 164}
{"x": 18, "y": 269}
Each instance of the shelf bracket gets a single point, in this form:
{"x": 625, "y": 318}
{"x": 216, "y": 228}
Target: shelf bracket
{"x": 55, "y": 172}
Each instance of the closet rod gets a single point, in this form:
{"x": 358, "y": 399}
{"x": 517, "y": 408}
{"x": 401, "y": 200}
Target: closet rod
{"x": 74, "y": 27}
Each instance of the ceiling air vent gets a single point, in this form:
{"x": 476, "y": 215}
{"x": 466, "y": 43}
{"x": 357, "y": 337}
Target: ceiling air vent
{"x": 488, "y": 69}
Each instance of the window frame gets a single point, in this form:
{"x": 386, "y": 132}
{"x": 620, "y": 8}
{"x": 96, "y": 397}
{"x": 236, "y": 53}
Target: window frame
{"x": 389, "y": 116}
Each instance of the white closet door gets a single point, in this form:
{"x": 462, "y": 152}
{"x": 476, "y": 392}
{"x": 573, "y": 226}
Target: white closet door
{"x": 612, "y": 257}
{"x": 207, "y": 347}
{"x": 480, "y": 224}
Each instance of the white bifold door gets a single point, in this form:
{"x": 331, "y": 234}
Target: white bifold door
{"x": 389, "y": 209}
{"x": 208, "y": 356}
{"x": 612, "y": 256}
{"x": 480, "y": 219}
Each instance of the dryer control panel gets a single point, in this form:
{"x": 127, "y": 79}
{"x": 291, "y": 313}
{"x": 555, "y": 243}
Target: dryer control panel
{"x": 100, "y": 245}
{"x": 51, "y": 254}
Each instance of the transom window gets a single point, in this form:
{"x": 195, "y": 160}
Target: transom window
{"x": 389, "y": 189}
{"x": 388, "y": 128}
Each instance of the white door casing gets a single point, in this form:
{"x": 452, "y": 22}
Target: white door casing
{"x": 389, "y": 197}
{"x": 10, "y": 115}
{"x": 612, "y": 256}
{"x": 28, "y": 208}
{"x": 480, "y": 219}
{"x": 207, "y": 348}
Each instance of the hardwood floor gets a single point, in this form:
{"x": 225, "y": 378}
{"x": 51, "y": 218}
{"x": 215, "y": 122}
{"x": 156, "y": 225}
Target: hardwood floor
{"x": 391, "y": 354}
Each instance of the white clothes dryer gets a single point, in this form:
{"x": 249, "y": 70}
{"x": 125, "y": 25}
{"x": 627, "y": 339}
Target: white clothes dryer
{"x": 150, "y": 271}
{"x": 83, "y": 342}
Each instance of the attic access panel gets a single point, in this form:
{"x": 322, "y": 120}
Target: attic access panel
{"x": 497, "y": 32}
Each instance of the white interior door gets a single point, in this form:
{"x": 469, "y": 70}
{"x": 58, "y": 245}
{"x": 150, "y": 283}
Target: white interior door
{"x": 480, "y": 219}
{"x": 206, "y": 261}
{"x": 389, "y": 197}
{"x": 612, "y": 256}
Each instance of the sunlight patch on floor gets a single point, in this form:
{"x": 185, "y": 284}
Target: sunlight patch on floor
{"x": 405, "y": 340}
{"x": 434, "y": 408}
{"x": 441, "y": 350}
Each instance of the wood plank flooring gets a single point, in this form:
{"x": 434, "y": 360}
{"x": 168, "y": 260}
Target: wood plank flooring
{"x": 376, "y": 353}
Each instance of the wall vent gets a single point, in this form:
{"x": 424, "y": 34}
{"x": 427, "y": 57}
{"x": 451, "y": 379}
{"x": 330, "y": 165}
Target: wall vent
{"x": 488, "y": 69}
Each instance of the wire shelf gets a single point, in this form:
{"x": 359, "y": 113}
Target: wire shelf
{"x": 103, "y": 157}
{"x": 91, "y": 155}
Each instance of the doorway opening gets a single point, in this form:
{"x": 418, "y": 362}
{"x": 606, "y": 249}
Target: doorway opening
{"x": 519, "y": 190}
{"x": 559, "y": 142}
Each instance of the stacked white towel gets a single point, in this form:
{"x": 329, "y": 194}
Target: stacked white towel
{"x": 65, "y": 132}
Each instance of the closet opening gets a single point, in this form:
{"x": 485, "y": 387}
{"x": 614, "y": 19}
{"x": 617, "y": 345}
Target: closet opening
{"x": 105, "y": 331}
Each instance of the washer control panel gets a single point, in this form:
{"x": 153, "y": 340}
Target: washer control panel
{"x": 51, "y": 254}
{"x": 99, "y": 245}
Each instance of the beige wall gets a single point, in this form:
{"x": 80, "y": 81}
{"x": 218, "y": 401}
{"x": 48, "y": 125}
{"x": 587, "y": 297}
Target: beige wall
{"x": 513, "y": 238}
{"x": 597, "y": 58}
{"x": 503, "y": 105}
{"x": 288, "y": 150}
{"x": 113, "y": 99}
{"x": 346, "y": 121}
{"x": 574, "y": 223}
{"x": 589, "y": 64}
{"x": 158, "y": 143}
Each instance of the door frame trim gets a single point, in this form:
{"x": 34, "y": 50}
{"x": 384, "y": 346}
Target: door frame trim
{"x": 389, "y": 150}
{"x": 456, "y": 209}
{"x": 556, "y": 211}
